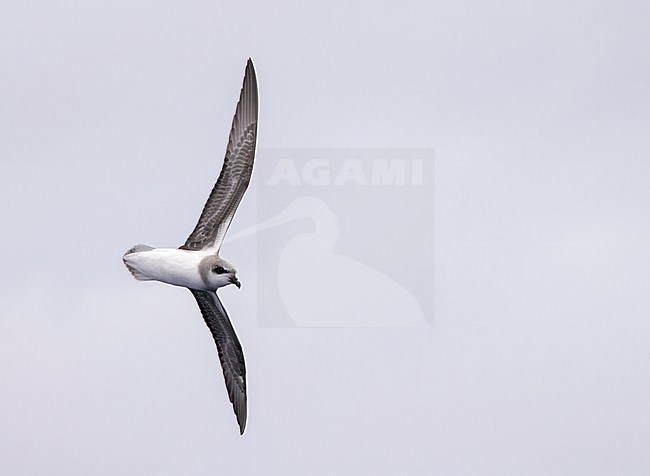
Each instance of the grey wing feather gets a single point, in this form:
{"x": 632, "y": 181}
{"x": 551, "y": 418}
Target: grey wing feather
{"x": 229, "y": 350}
{"x": 235, "y": 173}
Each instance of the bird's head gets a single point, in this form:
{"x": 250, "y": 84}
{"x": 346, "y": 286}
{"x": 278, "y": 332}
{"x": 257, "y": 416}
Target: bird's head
{"x": 217, "y": 272}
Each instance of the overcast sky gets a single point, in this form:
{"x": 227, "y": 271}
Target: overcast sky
{"x": 114, "y": 117}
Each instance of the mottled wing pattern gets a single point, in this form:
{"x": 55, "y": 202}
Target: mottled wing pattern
{"x": 235, "y": 173}
{"x": 229, "y": 350}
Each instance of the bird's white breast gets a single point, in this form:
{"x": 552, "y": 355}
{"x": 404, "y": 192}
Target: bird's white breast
{"x": 169, "y": 265}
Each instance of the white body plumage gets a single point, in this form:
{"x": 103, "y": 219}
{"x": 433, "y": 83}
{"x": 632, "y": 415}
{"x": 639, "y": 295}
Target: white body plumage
{"x": 201, "y": 270}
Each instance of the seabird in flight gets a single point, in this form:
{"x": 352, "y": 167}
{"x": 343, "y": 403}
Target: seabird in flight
{"x": 197, "y": 265}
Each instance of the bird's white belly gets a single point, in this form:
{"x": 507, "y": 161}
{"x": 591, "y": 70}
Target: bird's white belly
{"x": 169, "y": 265}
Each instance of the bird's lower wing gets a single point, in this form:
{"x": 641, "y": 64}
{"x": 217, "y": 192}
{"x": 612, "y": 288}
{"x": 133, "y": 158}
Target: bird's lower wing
{"x": 229, "y": 350}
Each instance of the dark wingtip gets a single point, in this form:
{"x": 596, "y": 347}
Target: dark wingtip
{"x": 250, "y": 66}
{"x": 241, "y": 420}
{"x": 241, "y": 413}
{"x": 250, "y": 71}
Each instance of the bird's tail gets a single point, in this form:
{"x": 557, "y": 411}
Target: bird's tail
{"x": 139, "y": 248}
{"x": 134, "y": 271}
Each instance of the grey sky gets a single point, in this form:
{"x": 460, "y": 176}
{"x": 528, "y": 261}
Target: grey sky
{"x": 113, "y": 123}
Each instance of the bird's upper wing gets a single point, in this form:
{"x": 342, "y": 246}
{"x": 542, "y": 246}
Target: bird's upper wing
{"x": 235, "y": 173}
{"x": 229, "y": 350}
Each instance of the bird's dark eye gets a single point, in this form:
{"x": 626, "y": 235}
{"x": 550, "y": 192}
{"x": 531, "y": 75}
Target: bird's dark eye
{"x": 219, "y": 270}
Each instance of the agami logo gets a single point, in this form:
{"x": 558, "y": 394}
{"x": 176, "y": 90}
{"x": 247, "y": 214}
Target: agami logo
{"x": 345, "y": 237}
{"x": 323, "y": 172}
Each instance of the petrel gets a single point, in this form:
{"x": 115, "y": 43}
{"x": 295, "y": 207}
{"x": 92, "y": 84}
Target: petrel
{"x": 197, "y": 265}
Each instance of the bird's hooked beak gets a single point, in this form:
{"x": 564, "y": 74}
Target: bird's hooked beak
{"x": 235, "y": 281}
